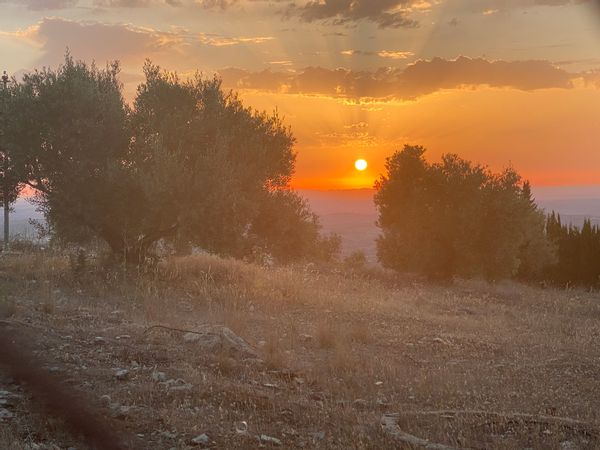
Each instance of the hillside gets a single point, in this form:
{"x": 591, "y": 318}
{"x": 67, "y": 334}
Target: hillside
{"x": 328, "y": 359}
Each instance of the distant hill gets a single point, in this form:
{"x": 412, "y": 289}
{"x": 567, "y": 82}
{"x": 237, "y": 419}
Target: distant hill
{"x": 23, "y": 211}
{"x": 352, "y": 213}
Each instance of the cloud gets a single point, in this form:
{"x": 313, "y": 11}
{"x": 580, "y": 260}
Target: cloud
{"x": 381, "y": 53}
{"x": 416, "y": 80}
{"x": 99, "y": 41}
{"x": 384, "y": 13}
{"x": 135, "y": 3}
{"x": 490, "y": 7}
{"x": 39, "y": 5}
{"x": 42, "y": 4}
{"x": 217, "y": 40}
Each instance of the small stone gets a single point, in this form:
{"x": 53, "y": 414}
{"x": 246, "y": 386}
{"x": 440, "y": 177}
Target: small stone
{"x": 567, "y": 445}
{"x": 122, "y": 374}
{"x": 119, "y": 411}
{"x": 176, "y": 385}
{"x": 241, "y": 427}
{"x": 123, "y": 336}
{"x": 159, "y": 376}
{"x": 264, "y": 439}
{"x": 183, "y": 387}
{"x": 191, "y": 337}
{"x": 202, "y": 440}
{"x": 219, "y": 338}
{"x": 99, "y": 340}
{"x": 318, "y": 435}
{"x": 105, "y": 400}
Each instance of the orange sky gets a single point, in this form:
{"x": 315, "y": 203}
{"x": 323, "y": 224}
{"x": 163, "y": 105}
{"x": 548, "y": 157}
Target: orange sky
{"x": 550, "y": 136}
{"x": 497, "y": 81}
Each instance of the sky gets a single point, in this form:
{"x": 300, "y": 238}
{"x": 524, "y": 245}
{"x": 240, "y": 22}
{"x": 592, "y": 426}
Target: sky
{"x": 500, "y": 82}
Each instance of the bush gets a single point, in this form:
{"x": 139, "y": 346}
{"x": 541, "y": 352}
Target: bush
{"x": 457, "y": 218}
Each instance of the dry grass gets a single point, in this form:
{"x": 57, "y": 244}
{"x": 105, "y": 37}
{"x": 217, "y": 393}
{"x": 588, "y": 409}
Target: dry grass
{"x": 338, "y": 352}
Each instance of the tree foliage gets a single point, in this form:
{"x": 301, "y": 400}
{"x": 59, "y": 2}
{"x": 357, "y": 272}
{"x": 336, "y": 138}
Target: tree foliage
{"x": 457, "y": 218}
{"x": 10, "y": 176}
{"x": 578, "y": 253}
{"x": 187, "y": 161}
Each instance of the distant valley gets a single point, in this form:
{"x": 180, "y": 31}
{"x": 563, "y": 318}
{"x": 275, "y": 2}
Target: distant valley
{"x": 352, "y": 214}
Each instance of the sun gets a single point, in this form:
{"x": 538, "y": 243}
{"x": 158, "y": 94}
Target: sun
{"x": 361, "y": 164}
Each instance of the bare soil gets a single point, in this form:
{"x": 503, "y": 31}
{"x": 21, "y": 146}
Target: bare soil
{"x": 472, "y": 365}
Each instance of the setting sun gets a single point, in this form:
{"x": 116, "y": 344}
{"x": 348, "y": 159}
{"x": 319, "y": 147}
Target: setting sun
{"x": 361, "y": 164}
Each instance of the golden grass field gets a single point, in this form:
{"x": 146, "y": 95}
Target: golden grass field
{"x": 471, "y": 365}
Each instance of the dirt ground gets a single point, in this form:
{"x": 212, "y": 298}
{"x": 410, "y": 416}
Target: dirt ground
{"x": 343, "y": 359}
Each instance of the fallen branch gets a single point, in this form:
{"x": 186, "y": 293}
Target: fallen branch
{"x": 389, "y": 422}
{"x": 522, "y": 417}
{"x": 164, "y": 327}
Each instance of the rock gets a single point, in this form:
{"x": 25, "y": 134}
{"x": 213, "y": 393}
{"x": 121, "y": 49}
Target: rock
{"x": 119, "y": 411}
{"x": 159, "y": 376}
{"x": 567, "y": 445}
{"x": 218, "y": 338}
{"x": 123, "y": 336}
{"x": 176, "y": 385}
{"x": 202, "y": 440}
{"x": 99, "y": 340}
{"x": 264, "y": 439}
{"x": 241, "y": 427}
{"x": 168, "y": 435}
{"x": 105, "y": 400}
{"x": 317, "y": 436}
{"x": 122, "y": 374}
{"x": 191, "y": 337}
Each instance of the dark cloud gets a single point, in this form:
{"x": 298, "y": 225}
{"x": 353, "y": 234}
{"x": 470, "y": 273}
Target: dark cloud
{"x": 385, "y": 13}
{"x": 414, "y": 81}
{"x": 508, "y": 5}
